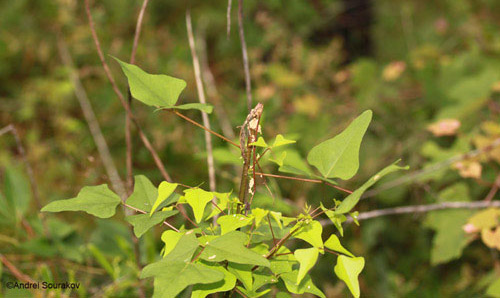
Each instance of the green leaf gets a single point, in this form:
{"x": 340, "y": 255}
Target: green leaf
{"x": 260, "y": 143}
{"x": 294, "y": 164}
{"x": 153, "y": 90}
{"x": 175, "y": 277}
{"x": 339, "y": 157}
{"x": 281, "y": 141}
{"x": 170, "y": 238}
{"x": 98, "y": 200}
{"x": 17, "y": 190}
{"x": 101, "y": 259}
{"x": 348, "y": 270}
{"x": 353, "y": 199}
{"x": 231, "y": 247}
{"x": 243, "y": 273}
{"x": 305, "y": 286}
{"x": 143, "y": 222}
{"x": 278, "y": 159}
{"x": 307, "y": 258}
{"x": 333, "y": 243}
{"x": 230, "y": 223}
{"x": 221, "y": 200}
{"x": 176, "y": 271}
{"x": 259, "y": 214}
{"x": 493, "y": 289}
{"x": 277, "y": 218}
{"x": 203, "y": 290}
{"x": 253, "y": 294}
{"x": 336, "y": 219}
{"x": 144, "y": 194}
{"x": 262, "y": 278}
{"x": 282, "y": 261}
{"x": 164, "y": 191}
{"x": 311, "y": 233}
{"x": 197, "y": 198}
{"x": 204, "y": 107}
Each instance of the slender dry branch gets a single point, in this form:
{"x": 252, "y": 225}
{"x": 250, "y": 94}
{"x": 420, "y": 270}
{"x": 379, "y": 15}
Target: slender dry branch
{"x": 244, "y": 52}
{"x": 29, "y": 170}
{"x": 91, "y": 119}
{"x": 494, "y": 189}
{"x": 205, "y": 128}
{"x": 128, "y": 121}
{"x": 16, "y": 272}
{"x": 208, "y": 78}
{"x": 201, "y": 98}
{"x": 124, "y": 103}
{"x": 144, "y": 212}
{"x": 305, "y": 180}
{"x": 437, "y": 166}
{"x": 421, "y": 209}
{"x": 228, "y": 17}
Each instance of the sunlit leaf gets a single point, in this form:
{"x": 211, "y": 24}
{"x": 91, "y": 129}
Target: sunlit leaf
{"x": 307, "y": 258}
{"x": 339, "y": 157}
{"x": 164, "y": 191}
{"x": 98, "y": 200}
{"x": 153, "y": 90}
{"x": 333, "y": 243}
{"x": 231, "y": 222}
{"x": 352, "y": 199}
{"x": 348, "y": 270}
{"x": 143, "y": 222}
{"x": 198, "y": 199}
{"x": 231, "y": 247}
{"x": 203, "y": 290}
{"x": 311, "y": 233}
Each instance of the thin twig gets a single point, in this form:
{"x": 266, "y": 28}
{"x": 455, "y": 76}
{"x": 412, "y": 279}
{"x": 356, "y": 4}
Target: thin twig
{"x": 91, "y": 119}
{"x": 201, "y": 97}
{"x": 494, "y": 189}
{"x": 138, "y": 30}
{"x": 124, "y": 103}
{"x": 203, "y": 127}
{"x": 305, "y": 180}
{"x": 421, "y": 209}
{"x": 144, "y": 212}
{"x": 228, "y": 18}
{"x": 244, "y": 52}
{"x": 208, "y": 78}
{"x": 437, "y": 166}
{"x": 29, "y": 170}
{"x": 16, "y": 272}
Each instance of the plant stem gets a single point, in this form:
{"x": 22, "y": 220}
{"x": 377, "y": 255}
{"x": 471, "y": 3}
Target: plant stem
{"x": 203, "y": 127}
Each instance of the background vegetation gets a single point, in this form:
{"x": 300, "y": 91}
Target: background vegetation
{"x": 315, "y": 65}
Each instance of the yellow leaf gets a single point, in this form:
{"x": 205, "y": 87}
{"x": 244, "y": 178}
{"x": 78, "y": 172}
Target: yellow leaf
{"x": 468, "y": 169}
{"x": 491, "y": 237}
{"x": 444, "y": 127}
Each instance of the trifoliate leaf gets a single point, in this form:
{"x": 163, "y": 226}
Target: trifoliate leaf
{"x": 164, "y": 191}
{"x": 307, "y": 258}
{"x": 333, "y": 243}
{"x": 339, "y": 157}
{"x": 153, "y": 90}
{"x": 198, "y": 198}
{"x": 353, "y": 199}
{"x": 98, "y": 200}
{"x": 231, "y": 247}
{"x": 348, "y": 270}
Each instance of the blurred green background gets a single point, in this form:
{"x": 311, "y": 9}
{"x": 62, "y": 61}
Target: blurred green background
{"x": 315, "y": 65}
